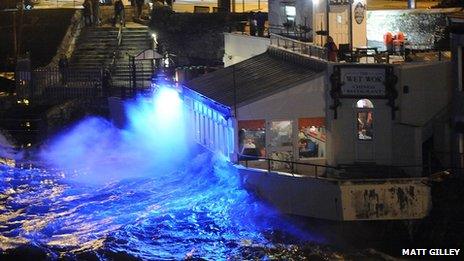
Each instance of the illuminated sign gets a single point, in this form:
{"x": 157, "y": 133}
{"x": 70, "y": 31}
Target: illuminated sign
{"x": 365, "y": 82}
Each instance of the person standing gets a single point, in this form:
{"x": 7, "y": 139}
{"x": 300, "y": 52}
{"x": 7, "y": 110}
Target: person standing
{"x": 106, "y": 82}
{"x": 332, "y": 50}
{"x": 96, "y": 12}
{"x": 260, "y": 22}
{"x": 119, "y": 15}
{"x": 87, "y": 12}
{"x": 139, "y": 6}
{"x": 63, "y": 68}
{"x": 253, "y": 23}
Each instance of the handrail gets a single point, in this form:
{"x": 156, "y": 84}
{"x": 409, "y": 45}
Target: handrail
{"x": 292, "y": 163}
{"x": 300, "y": 47}
{"x": 116, "y": 52}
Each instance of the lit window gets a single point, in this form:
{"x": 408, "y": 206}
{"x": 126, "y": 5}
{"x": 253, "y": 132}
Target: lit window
{"x": 290, "y": 12}
{"x": 364, "y": 118}
{"x": 252, "y": 138}
{"x": 364, "y": 103}
{"x": 311, "y": 138}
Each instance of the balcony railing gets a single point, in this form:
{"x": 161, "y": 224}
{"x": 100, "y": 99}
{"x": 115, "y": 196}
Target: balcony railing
{"x": 293, "y": 45}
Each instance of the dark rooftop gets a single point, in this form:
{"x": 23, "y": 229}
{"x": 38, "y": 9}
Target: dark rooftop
{"x": 257, "y": 77}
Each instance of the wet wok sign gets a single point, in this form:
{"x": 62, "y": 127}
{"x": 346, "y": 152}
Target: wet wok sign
{"x": 365, "y": 82}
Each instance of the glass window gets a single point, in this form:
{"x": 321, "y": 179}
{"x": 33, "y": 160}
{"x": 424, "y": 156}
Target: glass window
{"x": 252, "y": 138}
{"x": 364, "y": 119}
{"x": 364, "y": 103}
{"x": 365, "y": 130}
{"x": 290, "y": 10}
{"x": 311, "y": 138}
{"x": 281, "y": 134}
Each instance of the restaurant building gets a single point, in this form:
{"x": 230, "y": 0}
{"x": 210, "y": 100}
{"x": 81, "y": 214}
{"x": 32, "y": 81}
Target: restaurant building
{"x": 354, "y": 139}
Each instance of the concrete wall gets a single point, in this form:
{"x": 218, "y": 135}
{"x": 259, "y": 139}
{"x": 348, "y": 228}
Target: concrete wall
{"x": 343, "y": 146}
{"x": 384, "y": 199}
{"x": 295, "y": 195}
{"x": 407, "y": 147}
{"x": 396, "y": 142}
{"x": 239, "y": 47}
{"x": 429, "y": 91}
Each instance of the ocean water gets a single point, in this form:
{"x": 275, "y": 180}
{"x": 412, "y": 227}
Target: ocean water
{"x": 144, "y": 191}
{"x": 197, "y": 211}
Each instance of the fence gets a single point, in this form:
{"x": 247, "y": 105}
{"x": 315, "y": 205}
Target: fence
{"x": 356, "y": 171}
{"x": 304, "y": 48}
{"x": 53, "y": 84}
{"x": 293, "y": 167}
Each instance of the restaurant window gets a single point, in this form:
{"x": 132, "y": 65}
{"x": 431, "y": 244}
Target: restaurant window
{"x": 365, "y": 118}
{"x": 252, "y": 138}
{"x": 290, "y": 12}
{"x": 281, "y": 134}
{"x": 311, "y": 138}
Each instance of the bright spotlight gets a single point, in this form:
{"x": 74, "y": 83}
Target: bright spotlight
{"x": 168, "y": 104}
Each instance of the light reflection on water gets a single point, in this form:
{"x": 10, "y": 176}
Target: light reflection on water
{"x": 196, "y": 211}
{"x": 144, "y": 190}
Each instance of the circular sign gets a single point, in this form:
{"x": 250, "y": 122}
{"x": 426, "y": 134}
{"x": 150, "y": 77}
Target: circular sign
{"x": 359, "y": 11}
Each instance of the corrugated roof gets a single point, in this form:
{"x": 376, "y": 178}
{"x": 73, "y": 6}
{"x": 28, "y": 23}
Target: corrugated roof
{"x": 257, "y": 77}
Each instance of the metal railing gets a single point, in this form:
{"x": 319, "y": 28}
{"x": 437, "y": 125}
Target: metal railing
{"x": 296, "y": 46}
{"x": 116, "y": 52}
{"x": 54, "y": 84}
{"x": 353, "y": 171}
{"x": 291, "y": 166}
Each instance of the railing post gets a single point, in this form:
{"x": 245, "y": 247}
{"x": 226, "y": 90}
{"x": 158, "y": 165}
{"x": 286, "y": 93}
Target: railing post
{"x": 268, "y": 165}
{"x": 315, "y": 169}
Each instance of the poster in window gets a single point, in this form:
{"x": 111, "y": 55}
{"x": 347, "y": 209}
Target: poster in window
{"x": 252, "y": 138}
{"x": 281, "y": 134}
{"x": 311, "y": 138}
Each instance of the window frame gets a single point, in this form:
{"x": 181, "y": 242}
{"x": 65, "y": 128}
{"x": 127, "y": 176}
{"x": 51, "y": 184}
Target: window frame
{"x": 369, "y": 111}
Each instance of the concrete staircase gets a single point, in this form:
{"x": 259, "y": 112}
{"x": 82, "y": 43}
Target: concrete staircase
{"x": 134, "y": 41}
{"x": 95, "y": 48}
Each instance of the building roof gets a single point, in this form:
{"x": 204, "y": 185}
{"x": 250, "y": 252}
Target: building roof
{"x": 258, "y": 77}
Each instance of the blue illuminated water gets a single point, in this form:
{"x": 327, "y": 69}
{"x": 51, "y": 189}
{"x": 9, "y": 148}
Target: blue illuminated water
{"x": 144, "y": 191}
